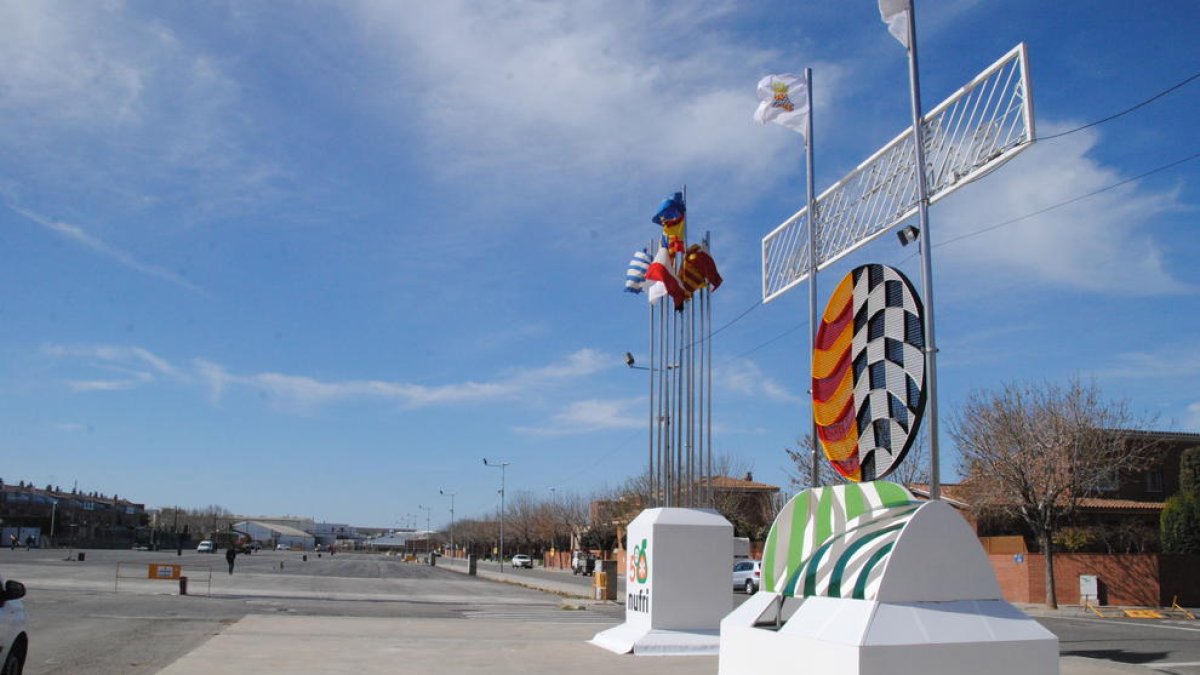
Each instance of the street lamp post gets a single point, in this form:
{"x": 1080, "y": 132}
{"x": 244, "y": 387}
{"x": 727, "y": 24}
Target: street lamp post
{"x": 502, "y": 466}
{"x": 451, "y": 496}
{"x": 428, "y": 544}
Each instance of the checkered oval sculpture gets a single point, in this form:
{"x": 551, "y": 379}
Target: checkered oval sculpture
{"x": 869, "y": 372}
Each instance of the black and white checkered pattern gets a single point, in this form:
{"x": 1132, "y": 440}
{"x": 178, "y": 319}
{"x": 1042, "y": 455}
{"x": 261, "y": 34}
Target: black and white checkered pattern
{"x": 889, "y": 367}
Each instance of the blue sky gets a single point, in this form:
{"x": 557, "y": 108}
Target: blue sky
{"x": 322, "y": 258}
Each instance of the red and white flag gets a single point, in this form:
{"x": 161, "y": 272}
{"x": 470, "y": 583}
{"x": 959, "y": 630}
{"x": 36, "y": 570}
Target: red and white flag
{"x": 662, "y": 280}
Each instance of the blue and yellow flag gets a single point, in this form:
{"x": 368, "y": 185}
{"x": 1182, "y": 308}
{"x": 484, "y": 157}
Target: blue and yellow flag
{"x": 672, "y": 215}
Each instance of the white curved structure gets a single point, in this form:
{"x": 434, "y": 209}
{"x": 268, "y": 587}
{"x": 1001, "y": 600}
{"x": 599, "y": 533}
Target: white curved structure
{"x": 865, "y": 579}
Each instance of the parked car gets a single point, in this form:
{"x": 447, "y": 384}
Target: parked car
{"x": 14, "y": 641}
{"x": 206, "y": 546}
{"x": 522, "y": 560}
{"x": 747, "y": 576}
{"x": 583, "y": 563}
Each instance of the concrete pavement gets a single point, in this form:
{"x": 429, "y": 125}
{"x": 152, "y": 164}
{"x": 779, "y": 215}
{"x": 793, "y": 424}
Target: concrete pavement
{"x": 528, "y": 645}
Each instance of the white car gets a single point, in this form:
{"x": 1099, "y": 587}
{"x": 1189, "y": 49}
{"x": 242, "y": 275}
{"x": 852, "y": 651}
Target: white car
{"x": 747, "y": 576}
{"x": 522, "y": 560}
{"x": 14, "y": 643}
{"x": 206, "y": 546}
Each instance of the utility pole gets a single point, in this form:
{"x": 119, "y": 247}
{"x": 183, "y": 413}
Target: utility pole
{"x": 428, "y": 543}
{"x": 451, "y": 496}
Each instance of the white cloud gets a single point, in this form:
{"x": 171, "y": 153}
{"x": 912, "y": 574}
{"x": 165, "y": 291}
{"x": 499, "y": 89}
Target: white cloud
{"x": 585, "y": 86}
{"x": 1099, "y": 244}
{"x": 98, "y": 83}
{"x": 592, "y": 415}
{"x": 745, "y": 378}
{"x": 140, "y": 366}
{"x": 1168, "y": 361}
{"x": 1192, "y": 421}
{"x": 125, "y": 259}
{"x": 80, "y": 386}
{"x": 135, "y": 367}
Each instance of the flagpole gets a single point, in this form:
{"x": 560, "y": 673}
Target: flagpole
{"x": 812, "y": 271}
{"x": 651, "y": 469}
{"x": 706, "y": 449}
{"x": 926, "y": 254}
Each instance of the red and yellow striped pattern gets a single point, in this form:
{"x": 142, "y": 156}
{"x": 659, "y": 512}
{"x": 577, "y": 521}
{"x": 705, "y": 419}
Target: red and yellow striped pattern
{"x": 833, "y": 382}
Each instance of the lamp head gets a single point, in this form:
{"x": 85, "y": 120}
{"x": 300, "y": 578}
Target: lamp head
{"x": 908, "y": 235}
{"x": 629, "y": 359}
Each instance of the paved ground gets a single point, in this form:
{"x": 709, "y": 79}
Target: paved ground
{"x": 370, "y": 613}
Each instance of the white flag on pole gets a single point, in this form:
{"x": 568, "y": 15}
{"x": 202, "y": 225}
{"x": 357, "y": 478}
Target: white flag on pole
{"x": 784, "y": 101}
{"x": 895, "y": 14}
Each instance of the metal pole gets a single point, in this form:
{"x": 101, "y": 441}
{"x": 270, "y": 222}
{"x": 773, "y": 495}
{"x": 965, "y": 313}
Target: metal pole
{"x": 651, "y": 469}
{"x": 663, "y": 416}
{"x": 926, "y": 254}
{"x": 503, "y": 466}
{"x": 691, "y": 402}
{"x": 812, "y": 274}
{"x": 679, "y": 402}
{"x": 451, "y": 496}
{"x": 708, "y": 348}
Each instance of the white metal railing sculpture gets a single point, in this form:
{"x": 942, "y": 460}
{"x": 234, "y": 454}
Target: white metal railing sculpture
{"x": 974, "y": 131}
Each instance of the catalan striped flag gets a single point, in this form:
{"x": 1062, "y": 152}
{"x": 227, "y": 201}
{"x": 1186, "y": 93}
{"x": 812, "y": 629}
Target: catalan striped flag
{"x": 635, "y": 277}
{"x": 699, "y": 270}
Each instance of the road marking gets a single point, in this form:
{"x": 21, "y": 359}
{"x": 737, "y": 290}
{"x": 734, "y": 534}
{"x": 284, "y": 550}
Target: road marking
{"x": 540, "y": 614}
{"x": 1140, "y": 624}
{"x": 1172, "y": 665}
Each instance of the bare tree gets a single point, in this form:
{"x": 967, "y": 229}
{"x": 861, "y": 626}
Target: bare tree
{"x": 1033, "y": 451}
{"x": 912, "y": 470}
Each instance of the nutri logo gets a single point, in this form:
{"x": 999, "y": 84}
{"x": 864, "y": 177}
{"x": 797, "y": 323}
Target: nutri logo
{"x": 639, "y": 563}
{"x": 638, "y": 602}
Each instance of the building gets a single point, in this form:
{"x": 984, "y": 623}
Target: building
{"x": 53, "y": 516}
{"x": 273, "y": 535}
{"x": 1113, "y": 536}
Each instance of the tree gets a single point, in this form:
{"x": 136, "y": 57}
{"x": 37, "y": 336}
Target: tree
{"x": 912, "y": 470}
{"x": 1033, "y": 451}
{"x": 1180, "y": 521}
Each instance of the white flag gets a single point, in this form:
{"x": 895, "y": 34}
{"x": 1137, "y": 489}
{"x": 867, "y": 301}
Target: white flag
{"x": 784, "y": 101}
{"x": 895, "y": 14}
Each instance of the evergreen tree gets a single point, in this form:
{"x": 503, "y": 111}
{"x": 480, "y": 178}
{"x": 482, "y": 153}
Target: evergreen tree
{"x": 1180, "y": 521}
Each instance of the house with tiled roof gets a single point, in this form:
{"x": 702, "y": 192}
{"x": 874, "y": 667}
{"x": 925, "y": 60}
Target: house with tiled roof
{"x": 1113, "y": 535}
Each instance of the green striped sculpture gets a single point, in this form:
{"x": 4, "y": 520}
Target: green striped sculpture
{"x": 834, "y": 541}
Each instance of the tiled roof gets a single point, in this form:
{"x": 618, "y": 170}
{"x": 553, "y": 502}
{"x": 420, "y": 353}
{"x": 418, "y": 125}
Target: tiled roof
{"x": 1119, "y": 504}
{"x": 957, "y": 493}
{"x": 740, "y": 484}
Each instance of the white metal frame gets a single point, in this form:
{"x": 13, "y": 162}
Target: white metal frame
{"x": 987, "y": 122}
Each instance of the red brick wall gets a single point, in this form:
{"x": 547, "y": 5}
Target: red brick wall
{"x": 1134, "y": 579}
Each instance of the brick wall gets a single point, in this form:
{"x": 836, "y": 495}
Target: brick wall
{"x": 1147, "y": 580}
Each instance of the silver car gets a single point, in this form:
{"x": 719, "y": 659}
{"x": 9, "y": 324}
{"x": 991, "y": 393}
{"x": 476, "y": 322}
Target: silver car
{"x": 14, "y": 643}
{"x": 747, "y": 576}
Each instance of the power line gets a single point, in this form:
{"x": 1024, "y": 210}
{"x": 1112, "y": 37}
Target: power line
{"x": 1009, "y": 222}
{"x": 1123, "y": 112}
{"x": 1059, "y": 205}
{"x": 989, "y": 228}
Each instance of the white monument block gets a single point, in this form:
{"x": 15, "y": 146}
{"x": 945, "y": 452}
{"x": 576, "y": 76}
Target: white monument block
{"x": 677, "y": 584}
{"x": 862, "y": 579}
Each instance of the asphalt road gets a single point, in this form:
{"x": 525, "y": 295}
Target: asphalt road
{"x": 82, "y": 618}
{"x": 1164, "y": 646}
{"x": 79, "y": 623}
